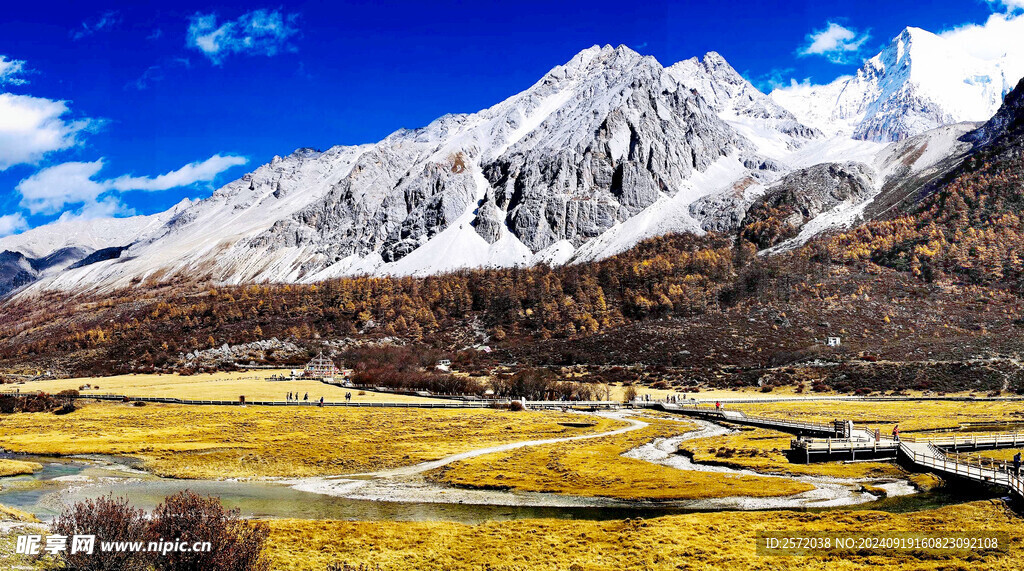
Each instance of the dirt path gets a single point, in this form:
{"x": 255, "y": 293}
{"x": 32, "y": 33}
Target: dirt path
{"x": 433, "y": 464}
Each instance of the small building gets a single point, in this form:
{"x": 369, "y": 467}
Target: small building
{"x": 833, "y": 342}
{"x": 444, "y": 365}
{"x": 320, "y": 368}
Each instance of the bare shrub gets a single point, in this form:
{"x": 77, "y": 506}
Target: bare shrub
{"x": 109, "y": 520}
{"x": 236, "y": 544}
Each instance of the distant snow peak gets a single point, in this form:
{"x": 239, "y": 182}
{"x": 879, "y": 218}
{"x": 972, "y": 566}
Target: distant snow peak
{"x": 919, "y": 81}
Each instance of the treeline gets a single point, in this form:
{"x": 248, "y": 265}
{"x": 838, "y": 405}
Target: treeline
{"x": 138, "y": 330}
{"x": 61, "y": 403}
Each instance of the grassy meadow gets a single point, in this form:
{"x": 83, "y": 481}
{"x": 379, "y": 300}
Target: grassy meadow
{"x": 212, "y": 386}
{"x": 237, "y": 442}
{"x": 702, "y": 541}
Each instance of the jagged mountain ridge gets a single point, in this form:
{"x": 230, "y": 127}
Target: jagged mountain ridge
{"x": 602, "y": 152}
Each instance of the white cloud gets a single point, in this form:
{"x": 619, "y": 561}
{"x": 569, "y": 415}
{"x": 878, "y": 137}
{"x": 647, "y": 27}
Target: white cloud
{"x": 192, "y": 173}
{"x": 106, "y": 20}
{"x": 30, "y": 127}
{"x": 836, "y": 43}
{"x": 12, "y": 224}
{"x": 50, "y": 189}
{"x": 53, "y": 189}
{"x": 260, "y": 32}
{"x": 11, "y": 70}
{"x": 999, "y": 38}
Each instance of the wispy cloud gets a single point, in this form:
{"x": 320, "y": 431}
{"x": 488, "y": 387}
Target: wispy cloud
{"x": 156, "y": 34}
{"x": 74, "y": 184}
{"x": 105, "y": 21}
{"x": 260, "y": 32}
{"x": 1009, "y": 5}
{"x": 12, "y": 224}
{"x": 156, "y": 73}
{"x": 774, "y": 79}
{"x": 836, "y": 43}
{"x": 11, "y": 71}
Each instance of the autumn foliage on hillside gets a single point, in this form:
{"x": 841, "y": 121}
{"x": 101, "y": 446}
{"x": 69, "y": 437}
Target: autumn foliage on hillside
{"x": 677, "y": 275}
{"x": 972, "y": 229}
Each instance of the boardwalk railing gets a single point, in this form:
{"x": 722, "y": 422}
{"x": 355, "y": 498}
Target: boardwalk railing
{"x": 992, "y": 440}
{"x": 723, "y": 415}
{"x": 933, "y": 457}
{"x": 842, "y": 444}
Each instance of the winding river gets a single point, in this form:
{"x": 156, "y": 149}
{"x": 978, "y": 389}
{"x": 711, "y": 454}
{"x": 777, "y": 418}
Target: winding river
{"x": 404, "y": 494}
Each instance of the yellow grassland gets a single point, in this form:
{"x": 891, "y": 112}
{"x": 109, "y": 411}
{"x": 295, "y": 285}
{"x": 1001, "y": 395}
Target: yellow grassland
{"x": 17, "y": 467}
{"x": 212, "y": 386}
{"x": 596, "y": 468}
{"x": 911, "y": 415}
{"x": 14, "y": 514}
{"x": 724, "y": 540}
{"x": 230, "y": 441}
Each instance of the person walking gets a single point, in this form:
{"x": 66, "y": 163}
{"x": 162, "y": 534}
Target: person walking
{"x": 306, "y": 397}
{"x": 1016, "y": 464}
{"x": 896, "y": 432}
{"x": 321, "y": 401}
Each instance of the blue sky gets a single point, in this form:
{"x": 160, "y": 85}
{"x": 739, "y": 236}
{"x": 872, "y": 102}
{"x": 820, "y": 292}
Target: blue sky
{"x": 121, "y": 108}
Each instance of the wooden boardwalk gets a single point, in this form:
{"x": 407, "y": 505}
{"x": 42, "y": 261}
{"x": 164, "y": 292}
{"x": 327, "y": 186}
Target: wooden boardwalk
{"x": 714, "y": 414}
{"x": 842, "y": 440}
{"x": 941, "y": 454}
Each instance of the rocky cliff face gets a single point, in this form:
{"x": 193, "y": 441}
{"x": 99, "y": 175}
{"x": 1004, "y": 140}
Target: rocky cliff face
{"x": 593, "y": 143}
{"x": 629, "y": 135}
{"x": 801, "y": 196}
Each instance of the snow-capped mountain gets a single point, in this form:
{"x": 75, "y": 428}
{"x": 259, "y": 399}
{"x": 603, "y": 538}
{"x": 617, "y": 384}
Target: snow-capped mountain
{"x": 88, "y": 234}
{"x": 920, "y": 81}
{"x": 604, "y": 151}
{"x": 598, "y": 144}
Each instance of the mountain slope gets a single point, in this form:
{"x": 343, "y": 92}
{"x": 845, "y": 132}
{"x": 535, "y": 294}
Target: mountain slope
{"x": 754, "y": 114}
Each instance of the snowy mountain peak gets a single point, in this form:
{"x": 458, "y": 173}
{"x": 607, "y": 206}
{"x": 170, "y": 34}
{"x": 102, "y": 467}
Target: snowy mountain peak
{"x": 919, "y": 81}
{"x": 769, "y": 125}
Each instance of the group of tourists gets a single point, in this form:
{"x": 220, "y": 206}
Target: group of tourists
{"x": 294, "y": 397}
